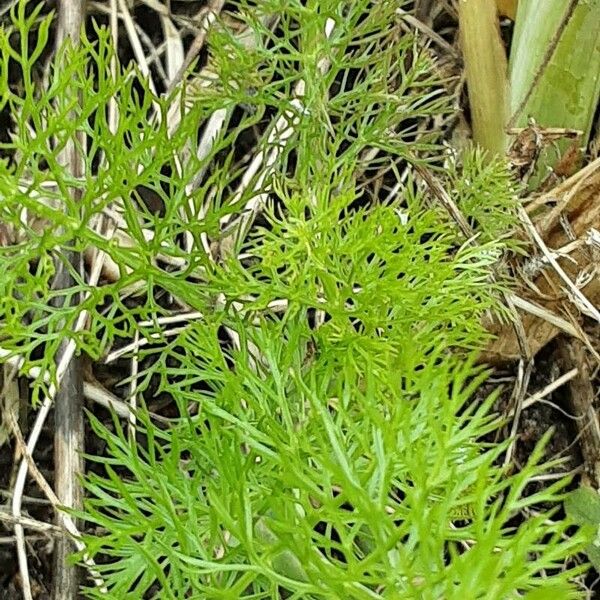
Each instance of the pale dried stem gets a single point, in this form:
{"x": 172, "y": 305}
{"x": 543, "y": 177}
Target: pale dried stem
{"x": 210, "y": 16}
{"x": 547, "y": 390}
{"x": 261, "y": 168}
{"x": 133, "y": 387}
{"x": 582, "y": 302}
{"x": 136, "y": 45}
{"x": 65, "y": 361}
{"x": 518, "y": 398}
{"x": 213, "y": 129}
{"x": 30, "y": 523}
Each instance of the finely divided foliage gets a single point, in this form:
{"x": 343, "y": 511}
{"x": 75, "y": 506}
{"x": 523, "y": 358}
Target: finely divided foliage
{"x": 327, "y": 443}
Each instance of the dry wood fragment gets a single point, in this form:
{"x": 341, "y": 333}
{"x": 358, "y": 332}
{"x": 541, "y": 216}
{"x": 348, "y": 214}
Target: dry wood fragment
{"x": 565, "y": 217}
{"x": 581, "y": 397}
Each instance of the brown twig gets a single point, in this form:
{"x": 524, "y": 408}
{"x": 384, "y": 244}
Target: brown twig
{"x": 69, "y": 433}
{"x": 69, "y": 425}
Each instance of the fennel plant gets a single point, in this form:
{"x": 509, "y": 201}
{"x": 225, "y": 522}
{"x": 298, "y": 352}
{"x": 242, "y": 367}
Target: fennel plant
{"x": 329, "y": 441}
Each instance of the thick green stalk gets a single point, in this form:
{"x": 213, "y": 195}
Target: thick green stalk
{"x": 485, "y": 68}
